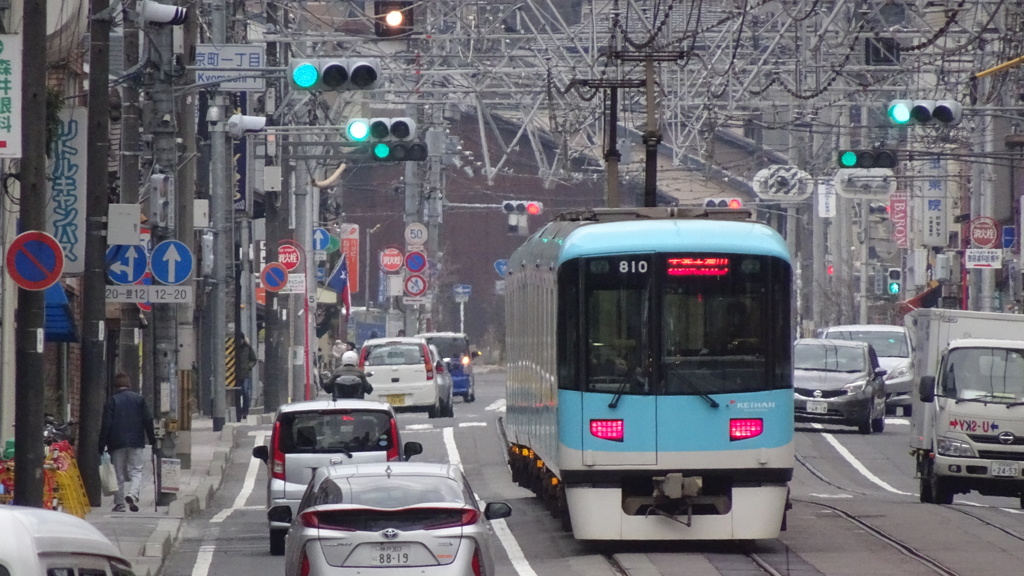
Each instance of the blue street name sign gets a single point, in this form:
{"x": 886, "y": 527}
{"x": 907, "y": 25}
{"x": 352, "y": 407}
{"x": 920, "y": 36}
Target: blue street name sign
{"x": 321, "y": 239}
{"x": 500, "y": 266}
{"x": 126, "y": 263}
{"x": 171, "y": 262}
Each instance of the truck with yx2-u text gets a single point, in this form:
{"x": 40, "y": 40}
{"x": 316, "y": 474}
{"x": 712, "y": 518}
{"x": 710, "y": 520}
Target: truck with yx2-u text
{"x": 968, "y": 414}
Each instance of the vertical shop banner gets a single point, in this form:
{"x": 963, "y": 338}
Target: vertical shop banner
{"x": 899, "y": 215}
{"x": 932, "y": 218}
{"x": 10, "y": 95}
{"x": 350, "y": 247}
{"x": 66, "y": 196}
{"x": 240, "y": 154}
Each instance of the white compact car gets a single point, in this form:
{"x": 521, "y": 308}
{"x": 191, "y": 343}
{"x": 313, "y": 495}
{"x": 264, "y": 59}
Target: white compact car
{"x": 408, "y": 374}
{"x": 391, "y": 518}
{"x": 37, "y": 541}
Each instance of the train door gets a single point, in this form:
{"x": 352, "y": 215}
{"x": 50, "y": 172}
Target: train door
{"x": 618, "y": 408}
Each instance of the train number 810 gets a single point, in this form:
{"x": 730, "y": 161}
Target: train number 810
{"x": 633, "y": 266}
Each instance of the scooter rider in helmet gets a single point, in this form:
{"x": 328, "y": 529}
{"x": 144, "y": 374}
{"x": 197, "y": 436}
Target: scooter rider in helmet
{"x": 348, "y": 381}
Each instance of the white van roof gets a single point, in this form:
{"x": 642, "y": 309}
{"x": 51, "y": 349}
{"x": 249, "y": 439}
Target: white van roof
{"x": 28, "y": 529}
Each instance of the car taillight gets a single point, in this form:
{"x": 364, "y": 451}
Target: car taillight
{"x": 362, "y": 357}
{"x": 304, "y": 563}
{"x": 468, "y": 517}
{"x": 276, "y": 456}
{"x": 313, "y": 519}
{"x": 743, "y": 428}
{"x": 393, "y": 453}
{"x": 477, "y": 570}
{"x": 426, "y": 362}
{"x": 608, "y": 429}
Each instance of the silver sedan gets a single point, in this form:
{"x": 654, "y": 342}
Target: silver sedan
{"x": 410, "y": 517}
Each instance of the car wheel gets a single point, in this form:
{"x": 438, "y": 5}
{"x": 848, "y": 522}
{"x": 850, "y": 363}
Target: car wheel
{"x": 925, "y": 495}
{"x": 865, "y": 426}
{"x": 878, "y": 424}
{"x": 471, "y": 396}
{"x": 277, "y": 542}
{"x": 435, "y": 410}
{"x": 942, "y": 492}
{"x": 449, "y": 408}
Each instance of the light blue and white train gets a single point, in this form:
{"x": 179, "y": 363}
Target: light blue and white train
{"x": 649, "y": 390}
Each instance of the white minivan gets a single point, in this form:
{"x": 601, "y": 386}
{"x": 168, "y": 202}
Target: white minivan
{"x": 38, "y": 541}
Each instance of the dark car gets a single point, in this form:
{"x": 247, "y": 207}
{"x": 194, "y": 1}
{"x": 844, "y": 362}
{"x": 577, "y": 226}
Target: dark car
{"x": 455, "y": 351}
{"x": 838, "y": 382}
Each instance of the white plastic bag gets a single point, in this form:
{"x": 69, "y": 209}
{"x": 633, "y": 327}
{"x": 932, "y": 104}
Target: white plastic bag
{"x": 108, "y": 478}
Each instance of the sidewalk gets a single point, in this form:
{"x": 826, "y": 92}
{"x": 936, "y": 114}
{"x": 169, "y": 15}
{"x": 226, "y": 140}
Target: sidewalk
{"x": 147, "y": 536}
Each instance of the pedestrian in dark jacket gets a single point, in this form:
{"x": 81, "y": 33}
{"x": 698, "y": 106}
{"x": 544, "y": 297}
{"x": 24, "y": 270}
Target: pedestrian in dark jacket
{"x": 348, "y": 381}
{"x": 127, "y": 427}
{"x": 243, "y": 375}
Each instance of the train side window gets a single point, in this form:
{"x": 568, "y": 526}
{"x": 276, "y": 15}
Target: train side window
{"x": 568, "y": 334}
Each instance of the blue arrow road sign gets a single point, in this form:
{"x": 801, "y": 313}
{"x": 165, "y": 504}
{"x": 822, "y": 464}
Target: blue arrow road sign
{"x": 321, "y": 239}
{"x": 500, "y": 266}
{"x": 126, "y": 263}
{"x": 463, "y": 289}
{"x": 171, "y": 262}
{"x": 1009, "y": 236}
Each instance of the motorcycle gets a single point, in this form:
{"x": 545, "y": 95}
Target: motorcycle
{"x": 55, "y": 430}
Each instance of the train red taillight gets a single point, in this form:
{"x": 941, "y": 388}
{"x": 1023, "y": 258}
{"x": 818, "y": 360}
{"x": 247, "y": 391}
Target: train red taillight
{"x": 608, "y": 429}
{"x": 743, "y": 428}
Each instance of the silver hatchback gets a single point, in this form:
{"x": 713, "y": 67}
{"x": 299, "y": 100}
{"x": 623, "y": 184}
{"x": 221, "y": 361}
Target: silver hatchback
{"x": 396, "y": 517}
{"x": 316, "y": 434}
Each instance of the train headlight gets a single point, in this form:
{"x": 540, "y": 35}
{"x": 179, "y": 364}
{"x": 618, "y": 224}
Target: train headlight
{"x": 955, "y": 448}
{"x": 743, "y": 428}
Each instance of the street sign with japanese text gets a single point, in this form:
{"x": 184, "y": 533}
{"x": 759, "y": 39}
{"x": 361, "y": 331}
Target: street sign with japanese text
{"x": 10, "y": 95}
{"x": 210, "y": 57}
{"x": 983, "y": 258}
{"x": 65, "y": 194}
{"x": 933, "y": 202}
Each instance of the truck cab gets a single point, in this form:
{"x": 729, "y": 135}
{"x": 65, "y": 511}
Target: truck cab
{"x": 969, "y": 435}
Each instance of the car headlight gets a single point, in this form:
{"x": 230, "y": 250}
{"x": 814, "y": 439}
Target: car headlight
{"x": 855, "y": 387}
{"x": 898, "y": 373}
{"x": 957, "y": 448}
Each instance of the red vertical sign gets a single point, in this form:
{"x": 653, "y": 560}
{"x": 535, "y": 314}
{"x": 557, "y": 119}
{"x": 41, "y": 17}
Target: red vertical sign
{"x": 350, "y": 248}
{"x": 899, "y": 215}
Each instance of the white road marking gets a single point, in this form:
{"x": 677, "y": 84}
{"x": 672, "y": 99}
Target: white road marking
{"x": 832, "y": 495}
{"x": 418, "y": 427}
{"x": 501, "y": 529}
{"x": 857, "y": 465}
{"x": 247, "y": 485}
{"x": 898, "y": 421}
{"x": 498, "y": 404}
{"x": 470, "y": 424}
{"x": 1010, "y": 510}
{"x": 204, "y": 559}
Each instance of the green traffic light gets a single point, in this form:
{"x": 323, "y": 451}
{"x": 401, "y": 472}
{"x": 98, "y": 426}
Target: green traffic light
{"x": 381, "y": 150}
{"x": 899, "y": 113}
{"x": 848, "y": 159}
{"x": 894, "y": 287}
{"x": 305, "y": 75}
{"x": 358, "y": 130}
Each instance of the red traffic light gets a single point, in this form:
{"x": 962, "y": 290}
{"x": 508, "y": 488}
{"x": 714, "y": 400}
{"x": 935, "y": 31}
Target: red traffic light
{"x": 735, "y": 203}
{"x": 731, "y": 203}
{"x": 534, "y": 208}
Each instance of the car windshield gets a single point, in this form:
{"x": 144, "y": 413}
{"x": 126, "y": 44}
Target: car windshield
{"x": 451, "y": 347}
{"x": 395, "y": 354}
{"x": 335, "y": 431}
{"x": 828, "y": 358}
{"x": 986, "y": 374}
{"x": 886, "y": 344}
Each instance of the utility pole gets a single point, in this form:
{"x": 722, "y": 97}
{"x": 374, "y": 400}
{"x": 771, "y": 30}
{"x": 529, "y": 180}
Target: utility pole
{"x": 28, "y": 394}
{"x": 128, "y": 346}
{"x": 220, "y": 202}
{"x": 93, "y": 359}
{"x": 652, "y": 138}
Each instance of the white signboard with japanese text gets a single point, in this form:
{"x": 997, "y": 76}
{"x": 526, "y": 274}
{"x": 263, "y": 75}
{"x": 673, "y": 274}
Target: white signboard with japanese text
{"x": 932, "y": 207}
{"x": 983, "y": 258}
{"x": 231, "y": 56}
{"x": 10, "y": 97}
{"x": 66, "y": 188}
{"x": 826, "y": 198}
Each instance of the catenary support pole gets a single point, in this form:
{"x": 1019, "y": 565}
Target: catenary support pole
{"x": 28, "y": 394}
{"x": 220, "y": 201}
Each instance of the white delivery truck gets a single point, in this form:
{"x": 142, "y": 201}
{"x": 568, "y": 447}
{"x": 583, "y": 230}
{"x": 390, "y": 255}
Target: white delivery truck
{"x": 968, "y": 416}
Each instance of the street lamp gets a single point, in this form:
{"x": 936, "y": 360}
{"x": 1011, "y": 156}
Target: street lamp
{"x": 366, "y": 279}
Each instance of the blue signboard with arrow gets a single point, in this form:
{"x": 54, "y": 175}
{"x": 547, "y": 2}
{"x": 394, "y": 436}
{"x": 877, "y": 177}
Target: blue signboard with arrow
{"x": 171, "y": 262}
{"x": 126, "y": 263}
{"x": 321, "y": 239}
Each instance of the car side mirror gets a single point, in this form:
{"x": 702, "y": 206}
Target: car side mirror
{"x": 281, "y": 514}
{"x": 261, "y": 452}
{"x": 926, "y": 388}
{"x": 881, "y": 371}
{"x": 412, "y": 449}
{"x": 497, "y": 510}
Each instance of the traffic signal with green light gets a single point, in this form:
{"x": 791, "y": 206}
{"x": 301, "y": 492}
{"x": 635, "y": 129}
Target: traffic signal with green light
{"x": 392, "y": 18}
{"x": 733, "y": 203}
{"x": 333, "y": 74}
{"x": 867, "y": 159}
{"x": 390, "y": 139}
{"x": 910, "y": 112}
{"x": 895, "y": 282}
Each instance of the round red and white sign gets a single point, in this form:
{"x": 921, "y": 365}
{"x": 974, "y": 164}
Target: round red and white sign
{"x": 289, "y": 256}
{"x": 415, "y": 285}
{"x": 391, "y": 259}
{"x": 984, "y": 232}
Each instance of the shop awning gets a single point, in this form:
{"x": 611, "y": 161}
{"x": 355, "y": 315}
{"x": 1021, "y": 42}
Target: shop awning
{"x": 930, "y": 298}
{"x": 59, "y": 324}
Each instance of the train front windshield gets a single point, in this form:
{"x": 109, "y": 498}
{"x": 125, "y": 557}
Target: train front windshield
{"x": 686, "y": 324}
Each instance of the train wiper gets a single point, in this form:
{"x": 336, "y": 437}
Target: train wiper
{"x": 700, "y": 392}
{"x": 618, "y": 394}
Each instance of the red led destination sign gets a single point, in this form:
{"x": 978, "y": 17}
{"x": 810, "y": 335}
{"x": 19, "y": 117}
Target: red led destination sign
{"x": 698, "y": 266}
